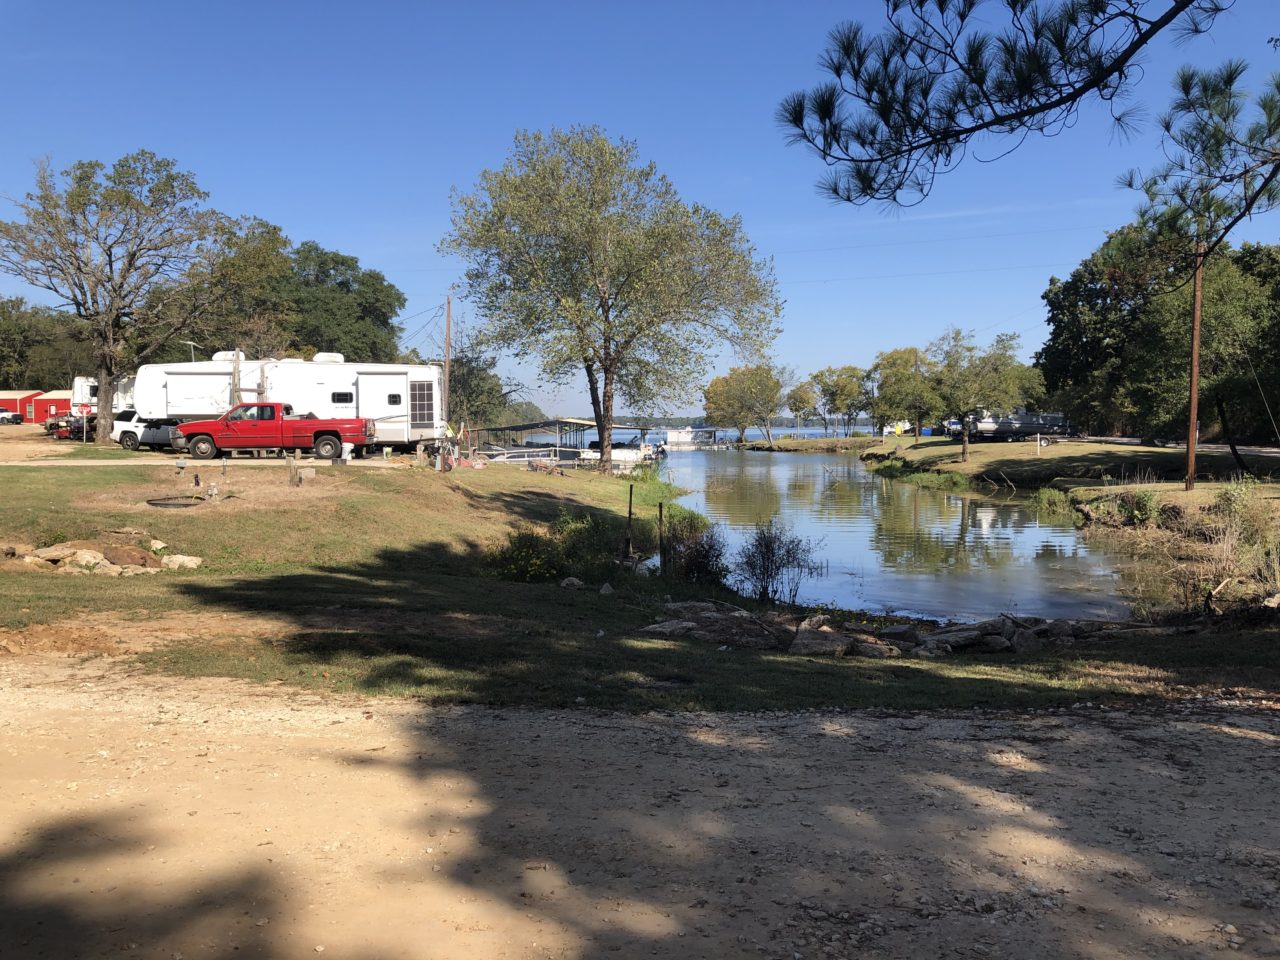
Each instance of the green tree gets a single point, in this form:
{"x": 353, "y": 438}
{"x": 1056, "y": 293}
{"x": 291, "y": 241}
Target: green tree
{"x": 1118, "y": 346}
{"x": 585, "y": 258}
{"x": 905, "y": 387}
{"x": 843, "y": 392}
{"x": 967, "y": 379}
{"x": 116, "y": 245}
{"x": 905, "y": 105}
{"x": 342, "y": 308}
{"x": 40, "y": 348}
{"x": 744, "y": 397}
{"x": 1218, "y": 173}
{"x": 802, "y": 401}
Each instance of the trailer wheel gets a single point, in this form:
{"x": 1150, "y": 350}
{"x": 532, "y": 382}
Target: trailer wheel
{"x": 129, "y": 441}
{"x": 203, "y": 448}
{"x": 1045, "y": 441}
{"x": 327, "y": 448}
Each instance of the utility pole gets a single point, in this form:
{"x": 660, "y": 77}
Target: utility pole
{"x": 1194, "y": 415}
{"x": 448, "y": 352}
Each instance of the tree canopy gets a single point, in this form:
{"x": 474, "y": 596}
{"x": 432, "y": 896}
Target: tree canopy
{"x": 843, "y": 392}
{"x": 905, "y": 105}
{"x": 587, "y": 259}
{"x": 745, "y": 397}
{"x": 115, "y": 244}
{"x": 967, "y": 379}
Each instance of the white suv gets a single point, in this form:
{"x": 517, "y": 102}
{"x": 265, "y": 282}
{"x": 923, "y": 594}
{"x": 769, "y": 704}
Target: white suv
{"x": 132, "y": 433}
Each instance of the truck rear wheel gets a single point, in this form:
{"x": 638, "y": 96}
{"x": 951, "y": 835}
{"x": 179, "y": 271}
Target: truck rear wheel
{"x": 129, "y": 441}
{"x": 327, "y": 448}
{"x": 203, "y": 448}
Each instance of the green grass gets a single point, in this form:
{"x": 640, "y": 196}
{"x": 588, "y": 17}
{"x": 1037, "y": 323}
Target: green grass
{"x": 814, "y": 445}
{"x": 1027, "y": 466}
{"x": 375, "y": 582}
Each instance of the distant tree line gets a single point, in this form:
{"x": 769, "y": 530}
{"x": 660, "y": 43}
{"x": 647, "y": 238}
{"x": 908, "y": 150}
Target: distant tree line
{"x": 951, "y": 377}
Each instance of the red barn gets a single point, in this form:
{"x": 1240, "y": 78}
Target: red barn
{"x": 20, "y": 401}
{"x": 55, "y": 403}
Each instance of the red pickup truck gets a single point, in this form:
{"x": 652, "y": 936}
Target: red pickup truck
{"x": 273, "y": 426}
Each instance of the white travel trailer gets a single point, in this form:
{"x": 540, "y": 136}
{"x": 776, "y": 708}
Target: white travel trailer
{"x": 403, "y": 400}
{"x": 84, "y": 392}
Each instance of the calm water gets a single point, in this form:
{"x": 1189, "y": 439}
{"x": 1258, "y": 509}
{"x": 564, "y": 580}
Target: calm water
{"x": 895, "y": 546}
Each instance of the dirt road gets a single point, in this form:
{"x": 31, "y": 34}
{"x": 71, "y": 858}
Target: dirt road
{"x": 152, "y": 817}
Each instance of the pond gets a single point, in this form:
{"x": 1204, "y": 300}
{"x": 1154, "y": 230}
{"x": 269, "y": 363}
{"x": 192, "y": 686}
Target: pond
{"x": 886, "y": 545}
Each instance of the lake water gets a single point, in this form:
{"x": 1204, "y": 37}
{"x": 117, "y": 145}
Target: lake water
{"x": 895, "y": 546}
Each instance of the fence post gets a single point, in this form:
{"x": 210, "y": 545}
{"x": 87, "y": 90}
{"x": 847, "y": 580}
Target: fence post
{"x": 662, "y": 543}
{"x": 626, "y": 547}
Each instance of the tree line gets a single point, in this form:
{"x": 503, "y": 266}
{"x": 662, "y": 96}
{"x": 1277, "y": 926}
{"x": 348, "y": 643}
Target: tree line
{"x": 951, "y": 377}
{"x": 144, "y": 268}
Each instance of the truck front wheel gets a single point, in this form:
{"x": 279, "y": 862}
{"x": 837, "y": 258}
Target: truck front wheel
{"x": 327, "y": 448}
{"x": 203, "y": 448}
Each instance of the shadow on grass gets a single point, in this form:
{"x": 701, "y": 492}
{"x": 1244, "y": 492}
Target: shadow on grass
{"x": 400, "y": 625}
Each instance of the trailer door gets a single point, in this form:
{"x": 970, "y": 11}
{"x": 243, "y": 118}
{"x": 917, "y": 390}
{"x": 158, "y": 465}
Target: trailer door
{"x": 381, "y": 398}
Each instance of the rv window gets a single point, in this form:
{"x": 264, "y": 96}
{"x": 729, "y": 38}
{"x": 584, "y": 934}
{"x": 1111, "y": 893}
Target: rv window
{"x": 93, "y": 390}
{"x": 393, "y": 400}
{"x": 342, "y": 397}
{"x": 421, "y": 404}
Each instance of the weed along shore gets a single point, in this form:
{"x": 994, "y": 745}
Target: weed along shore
{"x": 1217, "y": 543}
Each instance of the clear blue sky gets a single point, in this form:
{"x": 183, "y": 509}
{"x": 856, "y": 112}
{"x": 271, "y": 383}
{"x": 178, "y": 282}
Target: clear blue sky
{"x": 349, "y": 124}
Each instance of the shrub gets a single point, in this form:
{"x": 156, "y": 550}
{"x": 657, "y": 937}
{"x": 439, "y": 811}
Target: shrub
{"x": 1139, "y": 508}
{"x": 529, "y": 556}
{"x": 1050, "y": 501}
{"x": 774, "y": 562}
{"x": 695, "y": 547}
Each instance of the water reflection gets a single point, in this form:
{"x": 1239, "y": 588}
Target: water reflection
{"x": 896, "y": 546}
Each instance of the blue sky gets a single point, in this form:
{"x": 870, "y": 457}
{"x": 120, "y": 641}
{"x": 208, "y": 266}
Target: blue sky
{"x": 349, "y": 124}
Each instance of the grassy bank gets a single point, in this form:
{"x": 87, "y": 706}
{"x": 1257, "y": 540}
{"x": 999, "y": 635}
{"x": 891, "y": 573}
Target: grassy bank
{"x": 1025, "y": 466}
{"x": 814, "y": 445}
{"x": 380, "y": 582}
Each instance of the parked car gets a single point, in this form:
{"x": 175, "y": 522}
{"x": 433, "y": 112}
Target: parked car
{"x": 131, "y": 432}
{"x": 9, "y": 416}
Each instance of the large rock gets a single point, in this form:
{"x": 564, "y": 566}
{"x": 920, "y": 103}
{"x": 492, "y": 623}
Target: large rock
{"x": 105, "y": 569}
{"x": 1027, "y": 641}
{"x": 36, "y": 563}
{"x": 670, "y": 628}
{"x": 689, "y": 608}
{"x": 133, "y": 571}
{"x": 900, "y": 633}
{"x": 14, "y": 550}
{"x": 956, "y": 639}
{"x": 130, "y": 556}
{"x": 880, "y": 651}
{"x": 54, "y": 554}
{"x": 992, "y": 643}
{"x": 84, "y": 558}
{"x": 1060, "y": 629}
{"x": 177, "y": 561}
{"x": 568, "y": 583}
{"x": 819, "y": 643}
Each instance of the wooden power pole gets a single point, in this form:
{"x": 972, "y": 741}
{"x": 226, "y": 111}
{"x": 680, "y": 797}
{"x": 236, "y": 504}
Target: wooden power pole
{"x": 448, "y": 352}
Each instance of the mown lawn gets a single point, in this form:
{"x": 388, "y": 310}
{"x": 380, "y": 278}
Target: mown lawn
{"x": 380, "y": 580}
